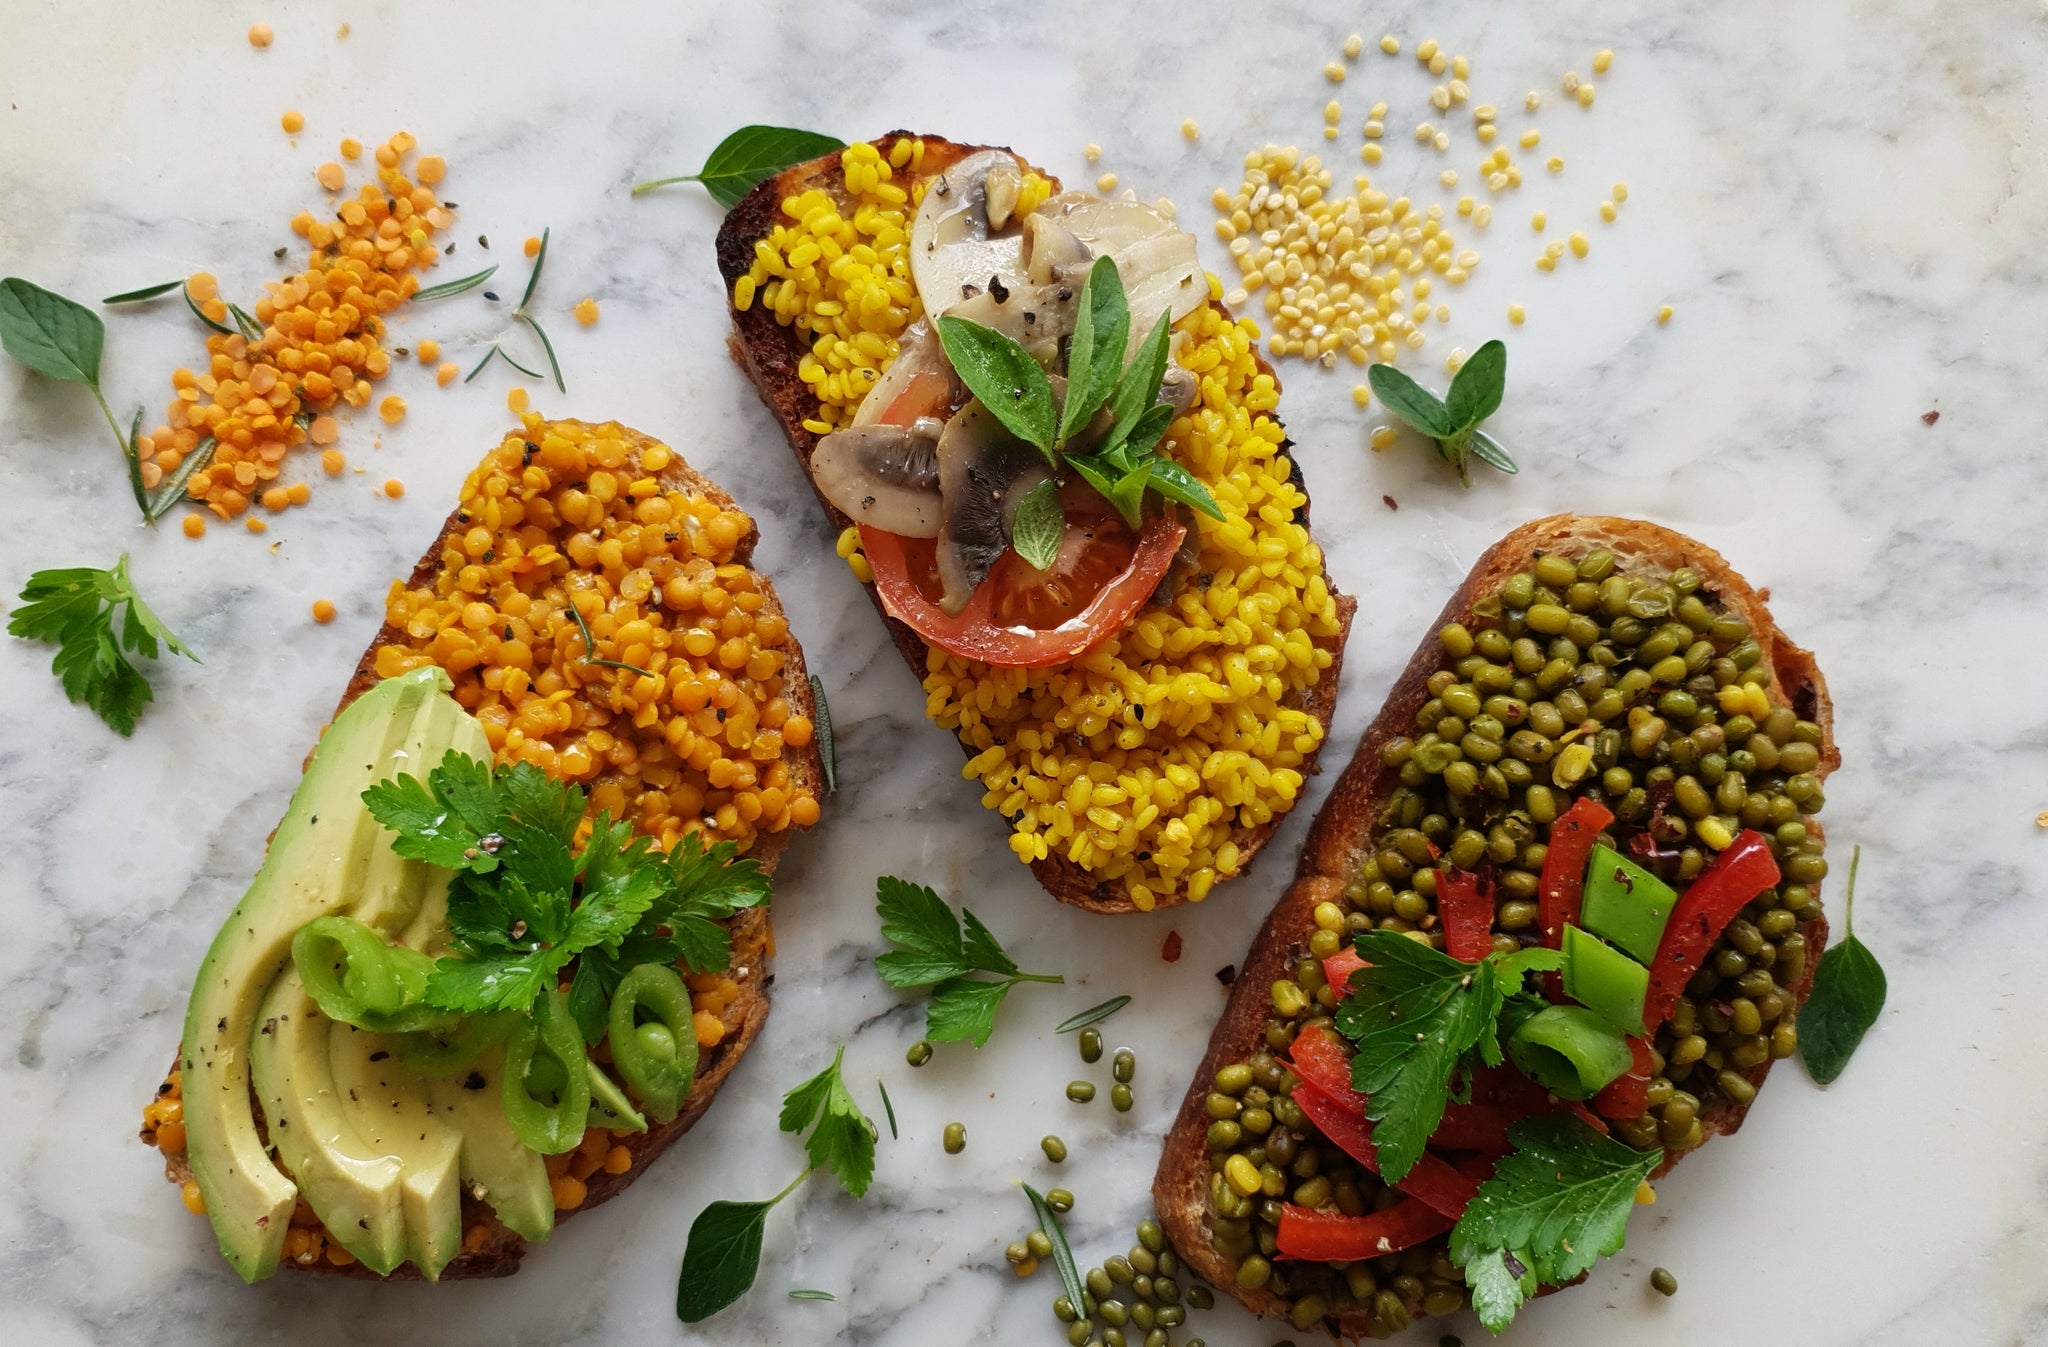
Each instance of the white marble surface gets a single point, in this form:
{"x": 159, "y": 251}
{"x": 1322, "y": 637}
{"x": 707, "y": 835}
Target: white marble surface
{"x": 1844, "y": 203}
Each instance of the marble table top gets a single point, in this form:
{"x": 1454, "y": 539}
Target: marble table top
{"x": 1842, "y": 202}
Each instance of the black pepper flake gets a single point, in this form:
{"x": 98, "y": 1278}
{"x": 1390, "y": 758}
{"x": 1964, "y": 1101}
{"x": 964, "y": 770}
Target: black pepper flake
{"x": 484, "y": 241}
{"x": 1227, "y": 974}
{"x": 721, "y": 715}
{"x": 473, "y": 1081}
{"x": 997, "y": 290}
{"x": 379, "y": 1055}
{"x": 279, "y": 254}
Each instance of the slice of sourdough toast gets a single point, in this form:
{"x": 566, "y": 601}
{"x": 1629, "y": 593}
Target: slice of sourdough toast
{"x": 771, "y": 353}
{"x": 1343, "y": 837}
{"x": 489, "y": 1249}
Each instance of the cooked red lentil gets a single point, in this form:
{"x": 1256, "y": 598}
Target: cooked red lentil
{"x": 1140, "y": 759}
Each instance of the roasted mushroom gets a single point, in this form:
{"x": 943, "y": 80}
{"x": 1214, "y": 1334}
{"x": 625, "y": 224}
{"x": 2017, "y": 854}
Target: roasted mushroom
{"x": 884, "y": 476}
{"x": 984, "y": 472}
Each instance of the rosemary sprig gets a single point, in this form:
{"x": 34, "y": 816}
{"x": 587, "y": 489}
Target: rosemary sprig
{"x": 590, "y": 646}
{"x": 146, "y": 292}
{"x": 455, "y": 287}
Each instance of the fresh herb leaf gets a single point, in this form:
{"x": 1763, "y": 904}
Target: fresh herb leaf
{"x": 252, "y": 331}
{"x": 455, "y": 287}
{"x": 749, "y": 156}
{"x": 489, "y": 355}
{"x": 931, "y": 951}
{"x": 724, "y": 1255}
{"x": 74, "y": 610}
{"x": 821, "y": 720}
{"x": 1556, "y": 1204}
{"x": 1062, "y": 1254}
{"x": 201, "y": 315}
{"x": 1005, "y": 378}
{"x": 807, "y": 1294}
{"x": 540, "y": 259}
{"x": 1174, "y": 482}
{"x": 1848, "y": 996}
{"x": 1095, "y": 1014}
{"x": 1476, "y": 388}
{"x": 887, "y": 1107}
{"x": 50, "y": 334}
{"x": 1137, "y": 391}
{"x": 843, "y": 1139}
{"x": 146, "y": 292}
{"x": 171, "y": 489}
{"x": 1039, "y": 525}
{"x": 1475, "y": 394}
{"x": 590, "y": 642}
{"x": 1102, "y": 326}
{"x": 1413, "y": 1015}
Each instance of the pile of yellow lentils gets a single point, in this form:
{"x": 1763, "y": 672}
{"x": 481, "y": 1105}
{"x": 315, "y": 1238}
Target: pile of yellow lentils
{"x": 321, "y": 342}
{"x": 1353, "y": 274}
{"x": 1142, "y": 760}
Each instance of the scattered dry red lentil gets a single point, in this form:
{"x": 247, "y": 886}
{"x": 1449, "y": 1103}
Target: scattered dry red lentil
{"x": 516, "y": 399}
{"x": 293, "y": 122}
{"x": 445, "y": 375}
{"x": 260, "y": 34}
{"x": 429, "y": 351}
{"x": 586, "y": 311}
{"x": 321, "y": 342}
{"x": 392, "y": 409}
{"x": 323, "y": 610}
{"x": 394, "y": 488}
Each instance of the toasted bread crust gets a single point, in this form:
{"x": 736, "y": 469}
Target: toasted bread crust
{"x": 489, "y": 1248}
{"x": 1339, "y": 841}
{"x": 769, "y": 353}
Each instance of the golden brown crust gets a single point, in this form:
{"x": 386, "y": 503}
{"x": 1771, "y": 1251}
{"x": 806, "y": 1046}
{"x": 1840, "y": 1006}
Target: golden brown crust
{"x": 490, "y": 1249}
{"x": 769, "y": 353}
{"x": 1338, "y": 842}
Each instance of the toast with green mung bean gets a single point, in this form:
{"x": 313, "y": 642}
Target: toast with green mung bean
{"x": 1050, "y": 455}
{"x": 586, "y": 643}
{"x": 1558, "y": 916}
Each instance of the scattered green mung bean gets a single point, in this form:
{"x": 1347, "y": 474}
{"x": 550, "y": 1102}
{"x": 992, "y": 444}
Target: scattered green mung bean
{"x": 1080, "y": 1091}
{"x": 1663, "y": 1282}
{"x": 1123, "y": 1066}
{"x": 1060, "y": 1200}
{"x": 920, "y": 1053}
{"x": 1091, "y": 1044}
{"x": 955, "y": 1138}
{"x": 1055, "y": 1149}
{"x": 1120, "y": 1099}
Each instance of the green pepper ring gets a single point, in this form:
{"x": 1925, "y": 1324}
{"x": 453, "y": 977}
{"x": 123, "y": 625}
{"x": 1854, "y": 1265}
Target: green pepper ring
{"x": 658, "y": 1072}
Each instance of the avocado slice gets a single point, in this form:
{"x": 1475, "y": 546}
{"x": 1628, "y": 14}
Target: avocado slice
{"x": 391, "y": 1110}
{"x": 327, "y": 856}
{"x": 496, "y": 1166}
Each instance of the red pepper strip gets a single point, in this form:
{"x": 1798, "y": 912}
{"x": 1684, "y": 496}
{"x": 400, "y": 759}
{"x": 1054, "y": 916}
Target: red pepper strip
{"x": 1333, "y": 1237}
{"x": 1628, "y": 1094}
{"x": 1468, "y": 914}
{"x": 1592, "y": 1119}
{"x": 1704, "y": 910}
{"x": 1432, "y": 1179}
{"x": 1338, "y": 968}
{"x": 1564, "y": 866}
{"x": 1475, "y": 1127}
{"x": 1321, "y": 1059}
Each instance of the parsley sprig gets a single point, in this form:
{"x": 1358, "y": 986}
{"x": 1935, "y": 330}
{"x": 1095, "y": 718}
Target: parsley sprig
{"x": 524, "y": 902}
{"x": 1125, "y": 463}
{"x": 1556, "y": 1204}
{"x": 74, "y": 610}
{"x": 1418, "y": 1018}
{"x": 933, "y": 950}
{"x": 723, "y": 1255}
{"x": 1453, "y": 420}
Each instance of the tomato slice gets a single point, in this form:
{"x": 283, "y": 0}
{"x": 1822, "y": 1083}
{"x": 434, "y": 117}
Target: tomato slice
{"x": 1021, "y": 617}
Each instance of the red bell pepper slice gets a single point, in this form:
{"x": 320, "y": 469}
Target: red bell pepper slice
{"x": 1333, "y": 1237}
{"x": 1476, "y": 1127}
{"x": 1564, "y": 866}
{"x": 1322, "y": 1059}
{"x": 1338, "y": 968}
{"x": 1432, "y": 1179}
{"x": 1628, "y": 1095}
{"x": 1467, "y": 910}
{"x": 1704, "y": 910}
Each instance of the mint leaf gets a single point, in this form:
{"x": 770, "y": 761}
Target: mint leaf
{"x": 1039, "y": 526}
{"x": 1476, "y": 388}
{"x": 1138, "y": 389}
{"x": 749, "y": 156}
{"x": 1004, "y": 377}
{"x": 1848, "y": 995}
{"x": 50, "y": 334}
{"x": 1174, "y": 482}
{"x": 1556, "y": 1204}
{"x": 1413, "y": 1015}
{"x": 843, "y": 1138}
{"x": 1102, "y": 324}
{"x": 1410, "y": 401}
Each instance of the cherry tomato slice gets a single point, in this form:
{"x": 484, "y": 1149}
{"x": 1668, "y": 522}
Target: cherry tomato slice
{"x": 1021, "y": 617}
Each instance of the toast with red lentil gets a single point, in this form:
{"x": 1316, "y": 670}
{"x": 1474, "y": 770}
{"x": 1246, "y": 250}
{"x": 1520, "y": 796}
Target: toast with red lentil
{"x": 1349, "y": 832}
{"x": 716, "y": 531}
{"x": 779, "y": 359}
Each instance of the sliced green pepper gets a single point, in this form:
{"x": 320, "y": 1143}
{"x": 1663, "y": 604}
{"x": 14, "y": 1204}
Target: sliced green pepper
{"x": 609, "y": 1107}
{"x": 1602, "y": 978}
{"x": 357, "y": 977}
{"x": 1569, "y": 1050}
{"x": 546, "y": 1085}
{"x": 657, "y": 1058}
{"x": 447, "y": 1049}
{"x": 1626, "y": 903}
